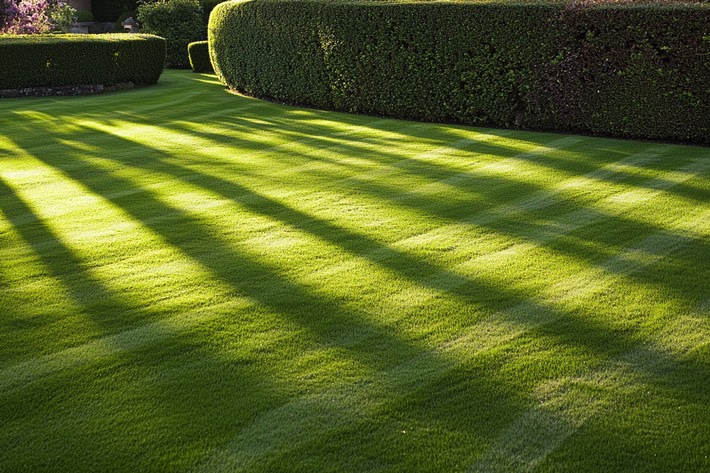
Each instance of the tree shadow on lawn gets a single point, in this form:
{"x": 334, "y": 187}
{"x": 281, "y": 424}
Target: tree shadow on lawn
{"x": 255, "y": 117}
{"x": 540, "y": 224}
{"x": 379, "y": 348}
{"x": 400, "y": 262}
{"x": 611, "y": 242}
{"x": 160, "y": 407}
{"x": 577, "y": 160}
{"x": 133, "y": 409}
{"x": 511, "y": 227}
{"x": 127, "y": 411}
{"x": 295, "y": 122}
{"x": 88, "y": 293}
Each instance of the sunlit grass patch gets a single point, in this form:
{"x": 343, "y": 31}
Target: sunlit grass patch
{"x": 193, "y": 280}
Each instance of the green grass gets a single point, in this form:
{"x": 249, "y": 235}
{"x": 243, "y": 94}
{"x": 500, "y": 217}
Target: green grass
{"x": 196, "y": 281}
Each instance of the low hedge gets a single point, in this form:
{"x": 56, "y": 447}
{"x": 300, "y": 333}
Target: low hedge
{"x": 199, "y": 56}
{"x": 633, "y": 71}
{"x": 66, "y": 60}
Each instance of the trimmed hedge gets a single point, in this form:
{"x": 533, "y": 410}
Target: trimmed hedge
{"x": 180, "y": 22}
{"x": 630, "y": 71}
{"x": 66, "y": 60}
{"x": 199, "y": 56}
{"x": 636, "y": 72}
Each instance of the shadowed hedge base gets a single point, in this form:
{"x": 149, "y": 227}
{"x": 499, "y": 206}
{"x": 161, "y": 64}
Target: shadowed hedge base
{"x": 630, "y": 71}
{"x": 81, "y": 59}
{"x": 197, "y": 281}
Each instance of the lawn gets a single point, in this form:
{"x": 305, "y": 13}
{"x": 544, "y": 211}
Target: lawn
{"x": 192, "y": 280}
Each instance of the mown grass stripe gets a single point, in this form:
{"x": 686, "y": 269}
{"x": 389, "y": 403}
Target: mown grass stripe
{"x": 565, "y": 406}
{"x": 502, "y": 328}
{"x": 442, "y": 280}
{"x": 561, "y": 411}
{"x": 408, "y": 297}
{"x": 197, "y": 178}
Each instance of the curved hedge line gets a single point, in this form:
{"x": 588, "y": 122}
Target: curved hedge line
{"x": 67, "y": 60}
{"x": 638, "y": 71}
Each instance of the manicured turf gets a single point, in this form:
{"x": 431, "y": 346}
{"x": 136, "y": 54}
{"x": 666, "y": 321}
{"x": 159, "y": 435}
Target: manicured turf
{"x": 196, "y": 281}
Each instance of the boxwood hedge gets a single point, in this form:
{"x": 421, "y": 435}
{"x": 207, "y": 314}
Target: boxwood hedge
{"x": 67, "y": 60}
{"x": 634, "y": 71}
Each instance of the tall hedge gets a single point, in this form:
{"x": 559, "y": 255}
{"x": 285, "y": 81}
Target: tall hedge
{"x": 180, "y": 22}
{"x": 638, "y": 72}
{"x": 632, "y": 71}
{"x": 66, "y": 60}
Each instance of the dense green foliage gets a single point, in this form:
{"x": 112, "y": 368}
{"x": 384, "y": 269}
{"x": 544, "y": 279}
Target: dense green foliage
{"x": 84, "y": 16}
{"x": 196, "y": 281}
{"x": 636, "y": 71}
{"x": 113, "y": 10}
{"x": 199, "y": 56}
{"x": 641, "y": 72}
{"x": 62, "y": 60}
{"x": 180, "y": 22}
{"x": 207, "y": 7}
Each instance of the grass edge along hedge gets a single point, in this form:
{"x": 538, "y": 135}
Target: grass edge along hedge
{"x": 634, "y": 72}
{"x": 80, "y": 59}
{"x": 198, "y": 52}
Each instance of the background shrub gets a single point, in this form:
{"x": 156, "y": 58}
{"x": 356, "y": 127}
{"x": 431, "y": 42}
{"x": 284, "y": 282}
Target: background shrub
{"x": 110, "y": 10}
{"x": 62, "y": 60}
{"x": 118, "y": 26}
{"x": 199, "y": 56}
{"x": 636, "y": 71}
{"x": 207, "y": 7}
{"x": 27, "y": 16}
{"x": 180, "y": 22}
{"x": 62, "y": 16}
{"x": 84, "y": 16}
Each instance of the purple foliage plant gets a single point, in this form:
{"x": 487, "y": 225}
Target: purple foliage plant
{"x": 27, "y": 16}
